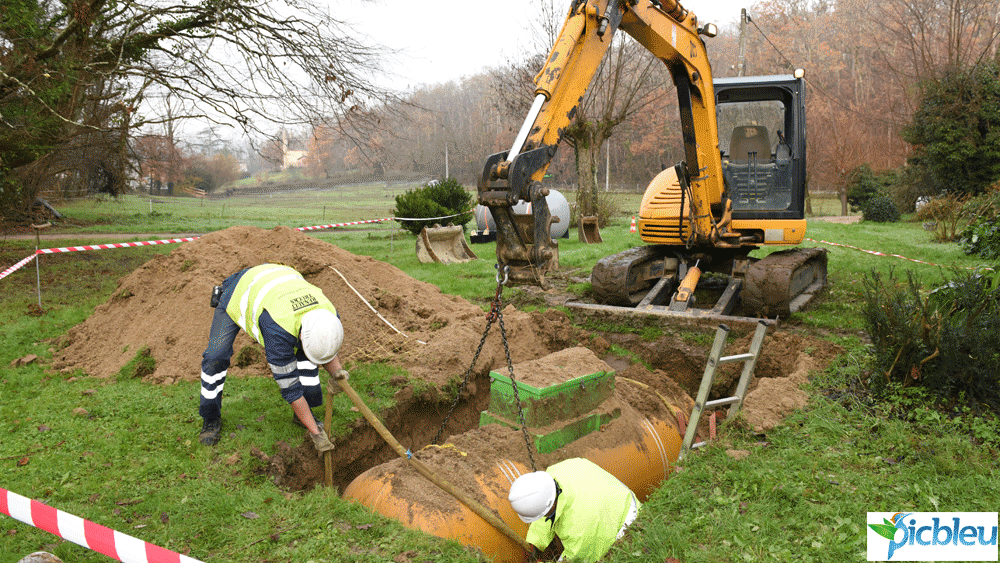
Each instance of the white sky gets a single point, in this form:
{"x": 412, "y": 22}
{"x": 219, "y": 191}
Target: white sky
{"x": 447, "y": 39}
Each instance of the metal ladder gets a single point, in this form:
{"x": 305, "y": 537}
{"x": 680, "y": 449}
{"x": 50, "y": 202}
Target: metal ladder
{"x": 714, "y": 360}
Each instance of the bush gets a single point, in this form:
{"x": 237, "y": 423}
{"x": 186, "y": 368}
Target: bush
{"x": 954, "y": 130}
{"x": 945, "y": 213}
{"x": 880, "y": 209}
{"x": 863, "y": 184}
{"x": 944, "y": 340}
{"x": 982, "y": 236}
{"x": 982, "y": 239}
{"x": 433, "y": 201}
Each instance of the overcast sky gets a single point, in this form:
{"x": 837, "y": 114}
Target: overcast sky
{"x": 445, "y": 40}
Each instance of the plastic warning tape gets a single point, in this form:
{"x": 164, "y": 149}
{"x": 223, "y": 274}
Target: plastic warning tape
{"x": 21, "y": 264}
{"x": 114, "y": 245}
{"x": 344, "y": 224}
{"x": 112, "y": 543}
{"x": 877, "y": 253}
{"x": 17, "y": 266}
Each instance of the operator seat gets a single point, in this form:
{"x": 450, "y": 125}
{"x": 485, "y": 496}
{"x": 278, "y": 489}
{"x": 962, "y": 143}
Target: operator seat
{"x": 750, "y": 142}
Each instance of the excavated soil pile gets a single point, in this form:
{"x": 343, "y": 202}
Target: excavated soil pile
{"x": 163, "y": 306}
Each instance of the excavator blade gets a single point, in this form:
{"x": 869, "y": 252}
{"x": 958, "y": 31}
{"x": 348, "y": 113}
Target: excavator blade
{"x": 589, "y": 231}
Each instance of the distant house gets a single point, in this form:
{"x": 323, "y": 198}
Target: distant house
{"x": 293, "y": 151}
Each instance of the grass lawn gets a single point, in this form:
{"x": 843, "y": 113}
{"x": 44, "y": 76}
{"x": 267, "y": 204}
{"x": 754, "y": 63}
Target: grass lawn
{"x": 124, "y": 453}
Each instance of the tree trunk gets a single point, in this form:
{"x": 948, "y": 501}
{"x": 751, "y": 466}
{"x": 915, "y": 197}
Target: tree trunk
{"x": 586, "y": 171}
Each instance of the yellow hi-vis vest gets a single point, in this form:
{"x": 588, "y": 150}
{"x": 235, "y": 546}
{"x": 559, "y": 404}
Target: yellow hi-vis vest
{"x": 590, "y": 511}
{"x": 279, "y": 290}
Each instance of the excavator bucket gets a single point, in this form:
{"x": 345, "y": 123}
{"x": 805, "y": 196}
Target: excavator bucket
{"x": 589, "y": 231}
{"x": 443, "y": 244}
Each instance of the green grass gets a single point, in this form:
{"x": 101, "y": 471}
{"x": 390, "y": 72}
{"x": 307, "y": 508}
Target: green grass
{"x": 131, "y": 461}
{"x": 803, "y": 494}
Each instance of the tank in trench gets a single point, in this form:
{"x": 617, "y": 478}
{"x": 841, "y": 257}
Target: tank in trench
{"x": 572, "y": 406}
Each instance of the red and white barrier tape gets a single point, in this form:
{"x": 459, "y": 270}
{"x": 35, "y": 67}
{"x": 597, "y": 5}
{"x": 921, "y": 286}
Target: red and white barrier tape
{"x": 343, "y": 224}
{"x": 21, "y": 264}
{"x": 114, "y": 245}
{"x": 877, "y": 253}
{"x": 112, "y": 543}
{"x": 17, "y": 266}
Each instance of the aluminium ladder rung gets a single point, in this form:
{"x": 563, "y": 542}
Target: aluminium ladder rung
{"x": 736, "y": 358}
{"x": 720, "y": 402}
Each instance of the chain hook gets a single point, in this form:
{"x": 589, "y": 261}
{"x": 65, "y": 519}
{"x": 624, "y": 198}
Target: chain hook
{"x": 506, "y": 270}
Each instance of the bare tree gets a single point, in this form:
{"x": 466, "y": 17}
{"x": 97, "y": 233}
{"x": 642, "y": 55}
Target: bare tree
{"x": 629, "y": 80}
{"x": 84, "y": 67}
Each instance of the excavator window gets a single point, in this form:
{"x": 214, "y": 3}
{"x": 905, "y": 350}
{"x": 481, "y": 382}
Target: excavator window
{"x": 756, "y": 161}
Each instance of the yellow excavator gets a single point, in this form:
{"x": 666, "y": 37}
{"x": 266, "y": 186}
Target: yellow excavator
{"x": 740, "y": 187}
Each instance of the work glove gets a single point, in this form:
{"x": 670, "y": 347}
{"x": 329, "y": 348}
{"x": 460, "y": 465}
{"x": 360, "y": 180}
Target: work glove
{"x": 342, "y": 374}
{"x": 322, "y": 442}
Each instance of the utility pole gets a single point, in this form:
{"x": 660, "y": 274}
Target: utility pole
{"x": 741, "y": 54}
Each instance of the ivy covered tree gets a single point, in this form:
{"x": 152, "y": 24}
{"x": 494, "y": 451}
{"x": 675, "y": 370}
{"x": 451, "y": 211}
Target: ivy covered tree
{"x": 74, "y": 75}
{"x": 956, "y": 130}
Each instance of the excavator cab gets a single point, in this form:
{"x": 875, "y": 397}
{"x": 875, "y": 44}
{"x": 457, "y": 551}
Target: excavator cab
{"x": 761, "y": 123}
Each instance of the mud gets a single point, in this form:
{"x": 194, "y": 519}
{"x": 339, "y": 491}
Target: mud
{"x": 163, "y": 306}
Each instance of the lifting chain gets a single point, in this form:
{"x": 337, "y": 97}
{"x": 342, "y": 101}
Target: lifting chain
{"x": 495, "y": 315}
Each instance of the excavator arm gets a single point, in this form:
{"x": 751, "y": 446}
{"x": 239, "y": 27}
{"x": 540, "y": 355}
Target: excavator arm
{"x": 670, "y": 33}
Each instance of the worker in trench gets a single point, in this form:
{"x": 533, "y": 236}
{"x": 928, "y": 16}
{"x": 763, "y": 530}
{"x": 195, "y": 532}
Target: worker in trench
{"x": 299, "y": 329}
{"x": 583, "y": 505}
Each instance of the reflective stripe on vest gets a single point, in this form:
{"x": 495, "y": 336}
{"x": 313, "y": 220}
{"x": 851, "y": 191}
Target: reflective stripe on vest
{"x": 279, "y": 290}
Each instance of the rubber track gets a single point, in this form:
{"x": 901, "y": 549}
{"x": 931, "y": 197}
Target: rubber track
{"x": 609, "y": 277}
{"x": 773, "y": 282}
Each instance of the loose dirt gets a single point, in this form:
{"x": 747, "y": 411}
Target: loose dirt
{"x": 164, "y": 307}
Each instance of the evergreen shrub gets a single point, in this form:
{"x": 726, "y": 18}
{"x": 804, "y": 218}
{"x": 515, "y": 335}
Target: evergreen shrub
{"x": 944, "y": 339}
{"x": 880, "y": 209}
{"x": 863, "y": 184}
{"x": 433, "y": 200}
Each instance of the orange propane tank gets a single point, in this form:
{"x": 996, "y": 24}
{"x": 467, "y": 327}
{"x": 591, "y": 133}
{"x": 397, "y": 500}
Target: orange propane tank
{"x": 642, "y": 464}
{"x": 376, "y": 488}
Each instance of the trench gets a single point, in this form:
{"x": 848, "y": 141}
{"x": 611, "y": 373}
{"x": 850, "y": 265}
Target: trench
{"x": 413, "y": 421}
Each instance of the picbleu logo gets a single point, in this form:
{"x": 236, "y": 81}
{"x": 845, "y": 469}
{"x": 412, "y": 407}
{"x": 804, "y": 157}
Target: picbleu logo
{"x": 932, "y": 536}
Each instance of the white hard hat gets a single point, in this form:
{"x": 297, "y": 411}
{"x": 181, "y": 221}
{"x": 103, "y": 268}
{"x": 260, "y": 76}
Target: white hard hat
{"x": 532, "y": 495}
{"x": 322, "y": 334}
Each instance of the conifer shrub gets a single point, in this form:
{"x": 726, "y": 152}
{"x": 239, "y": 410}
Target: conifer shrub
{"x": 944, "y": 339}
{"x": 880, "y": 209}
{"x": 434, "y": 200}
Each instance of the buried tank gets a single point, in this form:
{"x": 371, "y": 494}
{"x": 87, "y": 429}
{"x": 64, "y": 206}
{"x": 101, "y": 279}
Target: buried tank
{"x": 573, "y": 406}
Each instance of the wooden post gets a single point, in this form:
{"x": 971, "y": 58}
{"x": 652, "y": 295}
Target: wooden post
{"x": 38, "y": 272}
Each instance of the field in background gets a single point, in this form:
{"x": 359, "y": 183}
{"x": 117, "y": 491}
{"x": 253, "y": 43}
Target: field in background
{"x": 270, "y": 207}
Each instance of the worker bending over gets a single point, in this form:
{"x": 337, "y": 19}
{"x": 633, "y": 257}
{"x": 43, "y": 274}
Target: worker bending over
{"x": 299, "y": 329}
{"x": 586, "y": 507}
